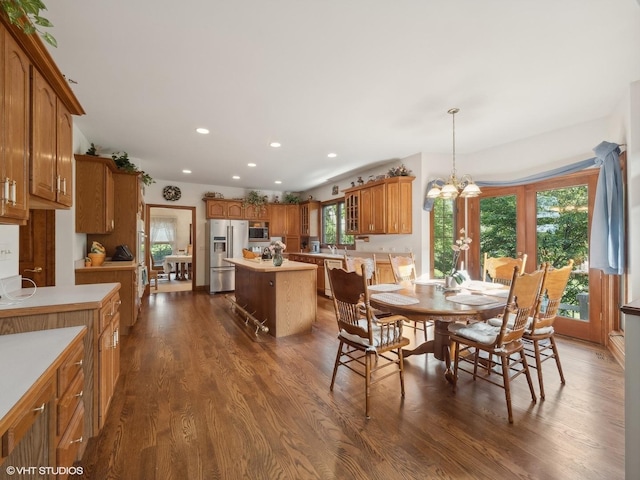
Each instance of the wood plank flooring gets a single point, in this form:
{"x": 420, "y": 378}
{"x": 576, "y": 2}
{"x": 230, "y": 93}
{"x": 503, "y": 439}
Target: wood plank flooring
{"x": 197, "y": 398}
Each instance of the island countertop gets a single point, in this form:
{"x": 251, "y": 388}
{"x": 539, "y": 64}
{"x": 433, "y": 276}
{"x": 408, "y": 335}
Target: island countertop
{"x": 63, "y": 299}
{"x": 268, "y": 266}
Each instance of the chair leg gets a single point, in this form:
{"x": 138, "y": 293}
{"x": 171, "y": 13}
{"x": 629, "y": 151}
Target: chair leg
{"x": 536, "y": 351}
{"x": 456, "y": 349}
{"x": 527, "y": 372}
{"x": 367, "y": 382}
{"x": 401, "y": 367}
{"x": 335, "y": 367}
{"x": 504, "y": 361}
{"x": 554, "y": 347}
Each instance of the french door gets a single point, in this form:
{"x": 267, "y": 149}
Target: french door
{"x": 549, "y": 221}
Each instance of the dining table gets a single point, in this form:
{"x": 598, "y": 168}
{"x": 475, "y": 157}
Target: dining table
{"x": 431, "y": 301}
{"x": 182, "y": 263}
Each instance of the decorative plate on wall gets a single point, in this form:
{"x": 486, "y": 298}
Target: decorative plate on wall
{"x": 171, "y": 193}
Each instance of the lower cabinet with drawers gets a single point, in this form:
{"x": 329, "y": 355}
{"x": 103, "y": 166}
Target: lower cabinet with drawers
{"x": 85, "y": 377}
{"x": 42, "y": 410}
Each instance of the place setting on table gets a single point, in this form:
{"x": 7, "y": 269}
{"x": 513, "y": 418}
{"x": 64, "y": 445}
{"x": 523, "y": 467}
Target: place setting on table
{"x": 430, "y": 300}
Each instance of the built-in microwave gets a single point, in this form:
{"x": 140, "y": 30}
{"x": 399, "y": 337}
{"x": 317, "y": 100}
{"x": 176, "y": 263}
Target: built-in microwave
{"x": 258, "y": 231}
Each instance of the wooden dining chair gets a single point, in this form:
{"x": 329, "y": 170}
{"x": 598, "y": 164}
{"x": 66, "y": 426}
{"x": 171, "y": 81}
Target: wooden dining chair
{"x": 404, "y": 273}
{"x": 539, "y": 338}
{"x": 353, "y": 264}
{"x": 499, "y": 269}
{"x": 500, "y": 342}
{"x": 369, "y": 346}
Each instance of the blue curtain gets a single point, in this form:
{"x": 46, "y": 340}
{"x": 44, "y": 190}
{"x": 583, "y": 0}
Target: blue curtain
{"x": 607, "y": 230}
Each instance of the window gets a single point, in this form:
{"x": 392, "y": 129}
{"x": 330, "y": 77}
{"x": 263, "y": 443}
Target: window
{"x": 163, "y": 238}
{"x": 333, "y": 225}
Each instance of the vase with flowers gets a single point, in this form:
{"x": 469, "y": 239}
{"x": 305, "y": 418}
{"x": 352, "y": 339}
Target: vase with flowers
{"x": 276, "y": 248}
{"x": 455, "y": 276}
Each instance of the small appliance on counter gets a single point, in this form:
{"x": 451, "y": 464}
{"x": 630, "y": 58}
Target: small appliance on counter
{"x": 314, "y": 246}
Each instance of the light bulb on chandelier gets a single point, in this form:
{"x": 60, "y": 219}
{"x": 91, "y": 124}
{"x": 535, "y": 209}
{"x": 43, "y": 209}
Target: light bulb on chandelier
{"x": 453, "y": 187}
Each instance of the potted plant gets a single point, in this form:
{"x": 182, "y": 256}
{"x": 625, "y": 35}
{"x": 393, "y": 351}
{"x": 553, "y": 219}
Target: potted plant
{"x": 255, "y": 199}
{"x": 123, "y": 163}
{"x": 25, "y": 14}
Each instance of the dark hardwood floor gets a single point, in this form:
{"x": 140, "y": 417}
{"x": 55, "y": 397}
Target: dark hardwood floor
{"x": 198, "y": 398}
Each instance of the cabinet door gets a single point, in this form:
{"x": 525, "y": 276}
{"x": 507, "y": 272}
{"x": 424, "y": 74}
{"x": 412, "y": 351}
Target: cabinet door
{"x": 292, "y": 242}
{"x": 393, "y": 207}
{"x": 352, "y": 212}
{"x": 94, "y": 196}
{"x": 14, "y": 129}
{"x": 293, "y": 220}
{"x": 404, "y": 206}
{"x": 277, "y": 220}
{"x": 64, "y": 160}
{"x": 235, "y": 211}
{"x": 372, "y": 209}
{"x": 216, "y": 209}
{"x": 105, "y": 373}
{"x": 44, "y": 120}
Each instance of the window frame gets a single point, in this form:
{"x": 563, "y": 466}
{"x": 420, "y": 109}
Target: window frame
{"x": 339, "y": 233}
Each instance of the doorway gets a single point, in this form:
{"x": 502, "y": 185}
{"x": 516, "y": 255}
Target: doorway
{"x": 170, "y": 247}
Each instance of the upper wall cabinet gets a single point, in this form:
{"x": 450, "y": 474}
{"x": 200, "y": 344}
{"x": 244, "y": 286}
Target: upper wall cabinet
{"x": 14, "y": 131}
{"x": 379, "y": 207}
{"x": 222, "y": 208}
{"x": 94, "y": 194}
{"x": 51, "y": 150}
{"x": 36, "y": 127}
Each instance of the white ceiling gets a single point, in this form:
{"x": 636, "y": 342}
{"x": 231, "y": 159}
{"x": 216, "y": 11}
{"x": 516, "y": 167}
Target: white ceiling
{"x": 370, "y": 80}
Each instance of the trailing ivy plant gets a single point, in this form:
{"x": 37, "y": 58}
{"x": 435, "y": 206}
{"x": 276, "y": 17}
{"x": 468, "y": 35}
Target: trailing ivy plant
{"x": 123, "y": 163}
{"x": 25, "y": 14}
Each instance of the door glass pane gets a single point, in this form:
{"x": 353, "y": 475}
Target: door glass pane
{"x": 562, "y": 234}
{"x": 443, "y": 237}
{"x": 498, "y": 227}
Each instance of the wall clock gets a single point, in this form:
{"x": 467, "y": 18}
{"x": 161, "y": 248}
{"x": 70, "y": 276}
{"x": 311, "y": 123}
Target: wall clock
{"x": 171, "y": 193}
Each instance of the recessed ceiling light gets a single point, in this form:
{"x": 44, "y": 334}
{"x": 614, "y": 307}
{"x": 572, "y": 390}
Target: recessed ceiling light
{"x": 278, "y": 182}
{"x": 251, "y": 164}
{"x": 275, "y": 144}
{"x": 186, "y": 171}
{"x": 236, "y": 177}
{"x": 203, "y": 131}
{"x": 332, "y": 155}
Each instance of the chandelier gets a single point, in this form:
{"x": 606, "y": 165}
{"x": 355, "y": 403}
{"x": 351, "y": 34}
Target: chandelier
{"x": 453, "y": 186}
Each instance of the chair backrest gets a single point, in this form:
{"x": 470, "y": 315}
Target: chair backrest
{"x": 351, "y": 302}
{"x": 555, "y": 283}
{"x": 403, "y": 268}
{"x": 354, "y": 264}
{"x": 500, "y": 269}
{"x": 522, "y": 302}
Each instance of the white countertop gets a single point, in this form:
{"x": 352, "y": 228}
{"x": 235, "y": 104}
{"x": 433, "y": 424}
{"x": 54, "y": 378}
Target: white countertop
{"x": 259, "y": 265}
{"x": 24, "y": 357}
{"x": 69, "y": 298}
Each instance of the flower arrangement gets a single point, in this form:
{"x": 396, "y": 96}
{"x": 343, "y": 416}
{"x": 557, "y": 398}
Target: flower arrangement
{"x": 460, "y": 245}
{"x": 400, "y": 171}
{"x": 277, "y": 247}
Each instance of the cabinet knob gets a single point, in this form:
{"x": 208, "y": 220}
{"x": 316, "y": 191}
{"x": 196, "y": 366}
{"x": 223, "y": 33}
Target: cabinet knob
{"x": 79, "y": 363}
{"x": 77, "y": 440}
{"x": 80, "y": 394}
{"x": 40, "y": 409}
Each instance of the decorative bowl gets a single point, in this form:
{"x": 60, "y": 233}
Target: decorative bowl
{"x": 97, "y": 259}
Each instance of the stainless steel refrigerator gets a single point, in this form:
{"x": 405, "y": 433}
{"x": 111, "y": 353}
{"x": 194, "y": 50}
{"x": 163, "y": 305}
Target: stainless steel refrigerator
{"x": 226, "y": 239}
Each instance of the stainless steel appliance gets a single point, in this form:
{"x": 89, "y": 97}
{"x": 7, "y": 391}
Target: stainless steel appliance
{"x": 258, "y": 231}
{"x": 226, "y": 239}
{"x": 314, "y": 246}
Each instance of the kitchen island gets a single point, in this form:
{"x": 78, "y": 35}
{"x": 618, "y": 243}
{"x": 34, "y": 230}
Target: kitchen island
{"x": 283, "y": 297}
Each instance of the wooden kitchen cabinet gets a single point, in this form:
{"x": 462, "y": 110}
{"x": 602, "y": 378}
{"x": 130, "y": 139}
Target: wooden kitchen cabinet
{"x": 109, "y": 358}
{"x": 94, "y": 315}
{"x": 14, "y": 131}
{"x": 45, "y": 428}
{"x": 95, "y": 197}
{"x": 51, "y": 147}
{"x": 372, "y": 209}
{"x": 379, "y": 207}
{"x": 398, "y": 204}
{"x": 125, "y": 274}
{"x": 310, "y": 218}
{"x": 256, "y": 212}
{"x": 222, "y": 208}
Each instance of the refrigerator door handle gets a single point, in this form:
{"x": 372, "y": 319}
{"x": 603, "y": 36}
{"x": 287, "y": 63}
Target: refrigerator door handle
{"x": 230, "y": 241}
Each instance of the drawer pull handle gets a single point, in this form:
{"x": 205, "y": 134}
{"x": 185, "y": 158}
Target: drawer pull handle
{"x": 79, "y": 395}
{"x": 40, "y": 409}
{"x": 77, "y": 440}
{"x": 79, "y": 363}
